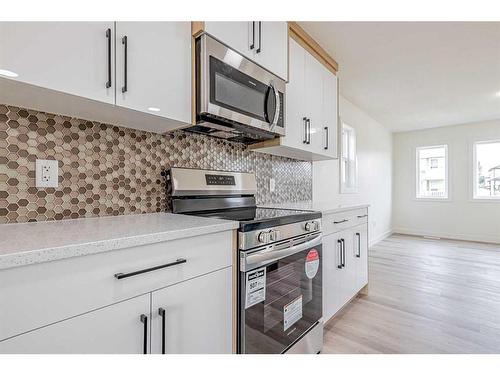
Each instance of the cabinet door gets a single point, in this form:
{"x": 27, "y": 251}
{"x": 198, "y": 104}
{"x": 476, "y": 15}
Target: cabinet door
{"x": 153, "y": 68}
{"x": 240, "y": 36}
{"x": 332, "y": 275}
{"x": 349, "y": 286}
{"x": 72, "y": 57}
{"x": 198, "y": 315}
{"x": 330, "y": 130}
{"x": 314, "y": 102}
{"x": 114, "y": 329}
{"x": 361, "y": 255}
{"x": 295, "y": 99}
{"x": 273, "y": 48}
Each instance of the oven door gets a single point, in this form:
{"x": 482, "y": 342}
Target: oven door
{"x": 280, "y": 295}
{"x": 236, "y": 89}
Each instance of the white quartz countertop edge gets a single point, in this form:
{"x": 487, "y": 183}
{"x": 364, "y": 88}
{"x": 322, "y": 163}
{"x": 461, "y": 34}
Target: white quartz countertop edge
{"x": 22, "y": 257}
{"x": 324, "y": 207}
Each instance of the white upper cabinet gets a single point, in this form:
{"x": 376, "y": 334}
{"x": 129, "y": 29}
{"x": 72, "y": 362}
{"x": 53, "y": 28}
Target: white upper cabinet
{"x": 153, "y": 68}
{"x": 311, "y": 110}
{"x": 295, "y": 120}
{"x": 71, "y": 57}
{"x": 329, "y": 129}
{"x": 313, "y": 97}
{"x": 263, "y": 42}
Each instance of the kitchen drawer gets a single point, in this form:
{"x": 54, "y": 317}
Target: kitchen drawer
{"x": 39, "y": 294}
{"x": 336, "y": 222}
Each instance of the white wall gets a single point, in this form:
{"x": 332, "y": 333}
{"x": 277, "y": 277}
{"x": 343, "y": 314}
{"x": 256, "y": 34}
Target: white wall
{"x": 460, "y": 217}
{"x": 374, "y": 149}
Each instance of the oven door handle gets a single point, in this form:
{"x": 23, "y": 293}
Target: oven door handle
{"x": 266, "y": 256}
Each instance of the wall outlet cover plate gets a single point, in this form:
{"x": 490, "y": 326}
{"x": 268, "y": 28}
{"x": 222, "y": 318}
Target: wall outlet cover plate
{"x": 46, "y": 173}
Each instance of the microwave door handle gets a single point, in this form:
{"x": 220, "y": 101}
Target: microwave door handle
{"x": 263, "y": 257}
{"x": 277, "y": 109}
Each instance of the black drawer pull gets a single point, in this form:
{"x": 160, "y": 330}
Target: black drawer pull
{"x": 341, "y": 221}
{"x": 120, "y": 276}
{"x": 362, "y": 216}
{"x": 108, "y": 37}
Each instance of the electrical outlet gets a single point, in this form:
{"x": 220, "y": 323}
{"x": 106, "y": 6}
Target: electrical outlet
{"x": 272, "y": 185}
{"x": 46, "y": 173}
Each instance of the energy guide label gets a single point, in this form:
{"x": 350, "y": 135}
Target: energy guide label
{"x": 255, "y": 287}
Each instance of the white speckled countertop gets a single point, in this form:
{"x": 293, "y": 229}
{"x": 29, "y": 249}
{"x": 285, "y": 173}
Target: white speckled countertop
{"x": 325, "y": 208}
{"x": 29, "y": 243}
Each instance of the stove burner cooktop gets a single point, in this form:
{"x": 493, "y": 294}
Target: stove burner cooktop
{"x": 252, "y": 218}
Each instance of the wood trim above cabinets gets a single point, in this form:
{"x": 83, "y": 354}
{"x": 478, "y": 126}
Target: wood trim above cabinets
{"x": 197, "y": 28}
{"x": 298, "y": 34}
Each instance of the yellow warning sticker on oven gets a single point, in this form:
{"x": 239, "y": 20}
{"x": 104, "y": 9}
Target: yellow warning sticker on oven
{"x": 255, "y": 287}
{"x": 292, "y": 313}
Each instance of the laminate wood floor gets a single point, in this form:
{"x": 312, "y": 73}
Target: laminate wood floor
{"x": 425, "y": 296}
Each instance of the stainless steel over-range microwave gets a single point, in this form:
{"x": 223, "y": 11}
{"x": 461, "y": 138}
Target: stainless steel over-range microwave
{"x": 236, "y": 99}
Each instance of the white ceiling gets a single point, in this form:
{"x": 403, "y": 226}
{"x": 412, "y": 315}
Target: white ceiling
{"x": 415, "y": 75}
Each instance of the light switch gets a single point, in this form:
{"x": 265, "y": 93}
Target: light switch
{"x": 46, "y": 173}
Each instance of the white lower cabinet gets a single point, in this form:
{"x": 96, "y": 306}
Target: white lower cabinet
{"x": 345, "y": 262}
{"x": 113, "y": 329}
{"x": 195, "y": 316}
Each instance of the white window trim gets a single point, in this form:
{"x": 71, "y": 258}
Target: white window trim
{"x": 416, "y": 164}
{"x": 473, "y": 174}
{"x": 344, "y": 189}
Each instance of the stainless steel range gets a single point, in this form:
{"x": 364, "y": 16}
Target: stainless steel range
{"x": 279, "y": 262}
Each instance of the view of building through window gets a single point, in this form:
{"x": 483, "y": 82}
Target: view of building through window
{"x": 432, "y": 172}
{"x": 487, "y": 170}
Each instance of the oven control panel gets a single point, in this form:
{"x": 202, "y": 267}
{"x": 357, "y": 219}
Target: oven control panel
{"x": 312, "y": 226}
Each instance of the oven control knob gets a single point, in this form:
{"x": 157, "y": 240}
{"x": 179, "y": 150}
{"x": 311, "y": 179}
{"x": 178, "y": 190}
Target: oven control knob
{"x": 274, "y": 235}
{"x": 263, "y": 237}
{"x": 316, "y": 225}
{"x": 309, "y": 226}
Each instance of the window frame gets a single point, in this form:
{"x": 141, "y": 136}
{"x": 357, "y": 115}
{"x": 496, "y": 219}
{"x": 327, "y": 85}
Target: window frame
{"x": 343, "y": 188}
{"x": 474, "y": 171}
{"x": 417, "y": 196}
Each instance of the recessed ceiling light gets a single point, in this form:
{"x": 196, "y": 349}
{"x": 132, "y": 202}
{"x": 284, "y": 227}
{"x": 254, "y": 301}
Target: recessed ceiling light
{"x": 154, "y": 109}
{"x": 8, "y": 73}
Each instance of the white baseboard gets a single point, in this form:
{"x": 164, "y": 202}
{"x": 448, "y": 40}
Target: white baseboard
{"x": 451, "y": 236}
{"x": 380, "y": 237}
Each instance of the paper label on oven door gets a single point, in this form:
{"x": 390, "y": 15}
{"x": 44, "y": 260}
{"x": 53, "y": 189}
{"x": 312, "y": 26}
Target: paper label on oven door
{"x": 292, "y": 313}
{"x": 255, "y": 287}
{"x": 312, "y": 263}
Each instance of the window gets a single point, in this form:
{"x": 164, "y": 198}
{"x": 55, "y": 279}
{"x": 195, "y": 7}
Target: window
{"x": 487, "y": 170}
{"x": 348, "y": 161}
{"x": 432, "y": 172}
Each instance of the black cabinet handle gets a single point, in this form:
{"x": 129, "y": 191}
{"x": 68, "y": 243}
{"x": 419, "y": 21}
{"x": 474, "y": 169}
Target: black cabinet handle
{"x": 161, "y": 311}
{"x": 343, "y": 253}
{"x": 252, "y": 45}
{"x": 304, "y": 121}
{"x": 108, "y": 37}
{"x": 341, "y": 221}
{"x": 358, "y": 255}
{"x": 308, "y": 122}
{"x": 339, "y": 242}
{"x": 362, "y": 216}
{"x": 327, "y": 134}
{"x": 125, "y": 54}
{"x": 259, "y": 50}
{"x": 120, "y": 276}
{"x": 144, "y": 320}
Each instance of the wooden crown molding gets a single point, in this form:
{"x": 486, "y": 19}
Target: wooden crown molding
{"x": 298, "y": 34}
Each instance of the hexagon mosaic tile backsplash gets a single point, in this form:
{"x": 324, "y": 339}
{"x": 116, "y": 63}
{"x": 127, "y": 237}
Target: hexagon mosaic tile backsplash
{"x": 110, "y": 170}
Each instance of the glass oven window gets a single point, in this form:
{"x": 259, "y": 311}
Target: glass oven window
{"x": 288, "y": 286}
